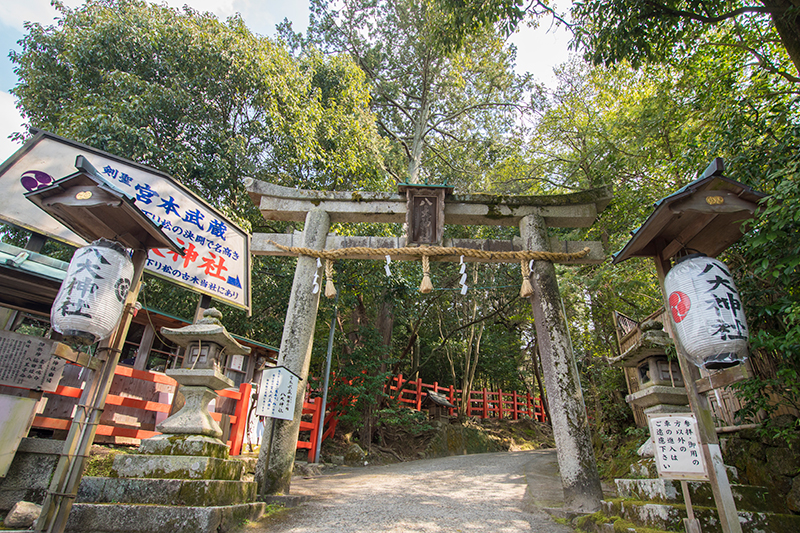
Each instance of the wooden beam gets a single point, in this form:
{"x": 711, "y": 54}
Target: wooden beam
{"x": 707, "y": 434}
{"x": 689, "y": 233}
{"x": 723, "y": 378}
{"x": 79, "y": 358}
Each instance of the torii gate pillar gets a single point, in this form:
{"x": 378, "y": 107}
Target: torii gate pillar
{"x": 295, "y": 354}
{"x": 576, "y": 462}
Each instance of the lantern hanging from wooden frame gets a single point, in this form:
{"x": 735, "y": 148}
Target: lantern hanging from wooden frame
{"x": 90, "y": 302}
{"x": 707, "y": 312}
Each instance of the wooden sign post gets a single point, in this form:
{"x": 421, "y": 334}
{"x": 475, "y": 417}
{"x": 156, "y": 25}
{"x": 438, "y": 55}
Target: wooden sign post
{"x": 678, "y": 453}
{"x": 705, "y": 216}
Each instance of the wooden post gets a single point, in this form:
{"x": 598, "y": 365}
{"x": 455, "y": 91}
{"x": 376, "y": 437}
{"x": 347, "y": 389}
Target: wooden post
{"x": 485, "y": 403}
{"x": 500, "y": 404}
{"x": 240, "y": 427}
{"x": 69, "y": 470}
{"x": 707, "y": 434}
{"x": 515, "y": 414}
{"x": 690, "y": 523}
{"x": 316, "y": 430}
{"x": 419, "y": 394}
{"x": 146, "y": 344}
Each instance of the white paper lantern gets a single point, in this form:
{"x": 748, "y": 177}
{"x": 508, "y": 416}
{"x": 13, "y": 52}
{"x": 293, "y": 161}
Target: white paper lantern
{"x": 707, "y": 312}
{"x": 90, "y": 301}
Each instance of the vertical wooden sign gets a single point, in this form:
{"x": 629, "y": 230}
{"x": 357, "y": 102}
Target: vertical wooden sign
{"x": 277, "y": 393}
{"x": 425, "y": 213}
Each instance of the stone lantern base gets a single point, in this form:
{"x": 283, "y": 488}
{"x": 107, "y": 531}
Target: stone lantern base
{"x": 181, "y": 481}
{"x": 193, "y": 418}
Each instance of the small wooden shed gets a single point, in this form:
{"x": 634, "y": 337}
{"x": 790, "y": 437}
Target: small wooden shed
{"x": 437, "y": 405}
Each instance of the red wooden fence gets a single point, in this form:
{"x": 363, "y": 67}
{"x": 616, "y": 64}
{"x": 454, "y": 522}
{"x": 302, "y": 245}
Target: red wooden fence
{"x": 314, "y": 408}
{"x": 482, "y": 403}
{"x": 238, "y": 420}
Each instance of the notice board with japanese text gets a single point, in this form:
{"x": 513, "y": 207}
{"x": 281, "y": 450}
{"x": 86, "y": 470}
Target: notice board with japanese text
{"x": 277, "y": 393}
{"x": 676, "y": 446}
{"x": 26, "y": 362}
{"x": 217, "y": 259}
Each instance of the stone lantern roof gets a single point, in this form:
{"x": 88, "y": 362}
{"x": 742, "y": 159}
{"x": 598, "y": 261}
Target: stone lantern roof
{"x": 207, "y": 329}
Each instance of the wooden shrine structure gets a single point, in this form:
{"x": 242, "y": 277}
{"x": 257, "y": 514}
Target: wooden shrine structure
{"x": 705, "y": 216}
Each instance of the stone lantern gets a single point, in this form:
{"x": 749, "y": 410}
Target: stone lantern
{"x": 207, "y": 344}
{"x": 185, "y": 477}
{"x": 659, "y": 386}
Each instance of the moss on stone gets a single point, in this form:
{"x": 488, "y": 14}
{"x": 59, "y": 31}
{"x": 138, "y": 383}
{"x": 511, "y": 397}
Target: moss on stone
{"x": 459, "y": 440}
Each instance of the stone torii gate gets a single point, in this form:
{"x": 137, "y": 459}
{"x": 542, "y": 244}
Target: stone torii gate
{"x": 532, "y": 214}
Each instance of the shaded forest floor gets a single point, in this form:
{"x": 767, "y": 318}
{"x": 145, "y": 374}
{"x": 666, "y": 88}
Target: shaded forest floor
{"x": 409, "y": 442}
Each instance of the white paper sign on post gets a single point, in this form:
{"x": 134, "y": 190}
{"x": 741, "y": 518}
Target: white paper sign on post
{"x": 277, "y": 393}
{"x": 676, "y": 446}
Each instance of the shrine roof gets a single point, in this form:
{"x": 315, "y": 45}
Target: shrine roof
{"x": 94, "y": 208}
{"x": 704, "y": 216}
{"x": 29, "y": 281}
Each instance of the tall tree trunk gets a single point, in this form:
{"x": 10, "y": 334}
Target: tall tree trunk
{"x": 786, "y": 18}
{"x": 384, "y": 323}
{"x": 472, "y": 354}
{"x": 420, "y": 127}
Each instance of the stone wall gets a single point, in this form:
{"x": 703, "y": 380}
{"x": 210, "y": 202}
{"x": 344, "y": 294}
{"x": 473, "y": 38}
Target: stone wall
{"x": 769, "y": 463}
{"x": 30, "y": 472}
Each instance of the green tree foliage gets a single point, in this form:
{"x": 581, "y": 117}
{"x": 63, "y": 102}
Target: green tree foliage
{"x": 206, "y": 101}
{"x": 447, "y": 114}
{"x": 643, "y": 30}
{"x": 463, "y": 18}
{"x": 649, "y": 132}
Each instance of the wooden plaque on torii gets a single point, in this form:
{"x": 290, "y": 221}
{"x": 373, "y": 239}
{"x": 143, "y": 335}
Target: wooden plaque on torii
{"x": 424, "y": 212}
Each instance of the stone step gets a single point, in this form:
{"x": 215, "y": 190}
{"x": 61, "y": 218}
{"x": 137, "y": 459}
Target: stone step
{"x": 747, "y": 497}
{"x": 176, "y": 467}
{"x": 670, "y": 517}
{"x": 187, "y": 492}
{"x": 127, "y": 518}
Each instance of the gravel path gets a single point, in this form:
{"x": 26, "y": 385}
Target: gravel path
{"x": 468, "y": 493}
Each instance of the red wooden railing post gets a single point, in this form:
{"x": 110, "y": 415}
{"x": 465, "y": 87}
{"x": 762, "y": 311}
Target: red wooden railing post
{"x": 238, "y": 428}
{"x": 398, "y": 386}
{"x": 500, "y": 404}
{"x": 452, "y": 399}
{"x": 316, "y": 417}
{"x": 419, "y": 394}
{"x": 485, "y": 403}
{"x": 515, "y": 412}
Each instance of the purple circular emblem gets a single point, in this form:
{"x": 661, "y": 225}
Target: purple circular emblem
{"x": 33, "y": 180}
